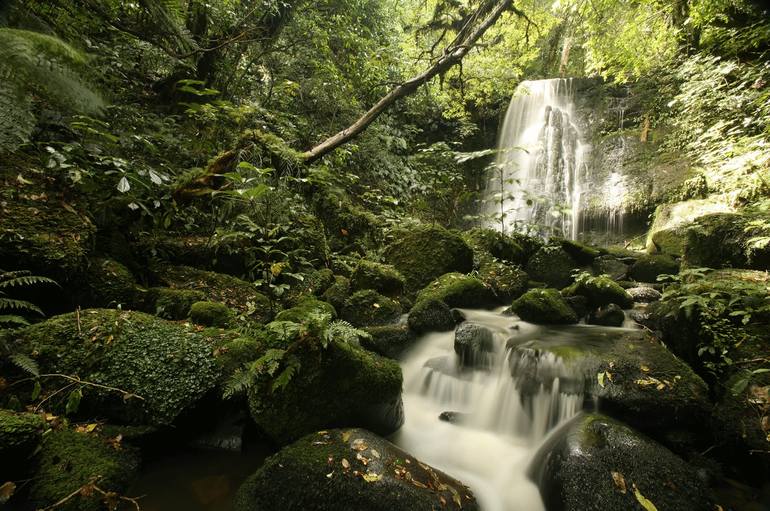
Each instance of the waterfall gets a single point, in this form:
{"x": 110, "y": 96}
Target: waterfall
{"x": 540, "y": 169}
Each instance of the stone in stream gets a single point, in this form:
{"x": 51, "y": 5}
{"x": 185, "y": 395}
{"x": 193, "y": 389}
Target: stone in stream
{"x": 644, "y": 294}
{"x": 389, "y": 340}
{"x": 350, "y": 470}
{"x": 609, "y": 315}
{"x": 431, "y": 316}
{"x": 552, "y": 265}
{"x": 474, "y": 344}
{"x": 544, "y": 306}
{"x": 458, "y": 290}
{"x": 595, "y": 463}
{"x": 600, "y": 291}
{"x": 454, "y": 417}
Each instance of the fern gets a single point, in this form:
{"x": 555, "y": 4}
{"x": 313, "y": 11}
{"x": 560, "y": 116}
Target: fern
{"x": 25, "y": 363}
{"x": 12, "y": 319}
{"x": 342, "y": 331}
{"x": 19, "y": 305}
{"x": 16, "y": 279}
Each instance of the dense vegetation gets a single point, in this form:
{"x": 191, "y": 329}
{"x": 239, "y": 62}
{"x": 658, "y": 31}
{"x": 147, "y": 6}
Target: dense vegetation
{"x": 228, "y": 206}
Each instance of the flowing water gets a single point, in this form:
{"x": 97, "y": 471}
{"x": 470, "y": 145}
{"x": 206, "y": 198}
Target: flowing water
{"x": 502, "y": 409}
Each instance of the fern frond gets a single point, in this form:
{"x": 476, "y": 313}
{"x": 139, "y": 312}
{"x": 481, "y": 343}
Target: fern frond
{"x": 342, "y": 331}
{"x": 25, "y": 363}
{"x": 19, "y": 305}
{"x": 240, "y": 381}
{"x": 12, "y": 319}
{"x": 26, "y": 280}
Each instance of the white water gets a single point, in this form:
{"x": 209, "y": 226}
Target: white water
{"x": 541, "y": 164}
{"x": 491, "y": 448}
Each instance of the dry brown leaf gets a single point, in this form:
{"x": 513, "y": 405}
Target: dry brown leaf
{"x": 620, "y": 481}
{"x": 345, "y": 464}
{"x": 359, "y": 444}
{"x": 6, "y": 491}
{"x": 376, "y": 453}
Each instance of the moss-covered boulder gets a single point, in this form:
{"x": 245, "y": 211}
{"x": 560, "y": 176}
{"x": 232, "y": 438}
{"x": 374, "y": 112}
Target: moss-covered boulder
{"x": 338, "y": 292}
{"x": 644, "y": 294}
{"x": 607, "y": 315}
{"x": 597, "y": 463}
{"x": 169, "y": 365}
{"x": 348, "y": 225}
{"x": 669, "y": 227}
{"x": 474, "y": 344}
{"x": 431, "y": 316}
{"x": 726, "y": 240}
{"x": 339, "y": 386}
{"x": 425, "y": 253}
{"x": 315, "y": 283}
{"x": 389, "y": 340}
{"x": 70, "y": 460}
{"x": 20, "y": 435}
{"x": 458, "y": 290}
{"x": 211, "y": 314}
{"x": 171, "y": 303}
{"x": 600, "y": 291}
{"x": 383, "y": 278}
{"x": 350, "y": 470}
{"x": 505, "y": 280}
{"x": 544, "y": 306}
{"x": 552, "y": 265}
{"x": 611, "y": 266}
{"x": 234, "y": 354}
{"x": 581, "y": 252}
{"x": 648, "y": 267}
{"x": 489, "y": 245}
{"x": 306, "y": 308}
{"x": 369, "y": 308}
{"x": 110, "y": 284}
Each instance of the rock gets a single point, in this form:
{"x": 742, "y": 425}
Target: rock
{"x": 552, "y": 265}
{"x": 489, "y": 245}
{"x": 234, "y": 354}
{"x": 458, "y": 290}
{"x": 544, "y": 306}
{"x": 579, "y": 304}
{"x": 506, "y": 281}
{"x": 20, "y": 435}
{"x": 316, "y": 283}
{"x": 608, "y": 315}
{"x": 342, "y": 385}
{"x": 110, "y": 284}
{"x": 728, "y": 240}
{"x": 431, "y": 316}
{"x": 644, "y": 294}
{"x": 389, "y": 340}
{"x": 383, "y": 278}
{"x": 369, "y": 308}
{"x": 305, "y": 309}
{"x": 473, "y": 344}
{"x": 338, "y": 292}
{"x": 168, "y": 364}
{"x": 325, "y": 471}
{"x": 648, "y": 267}
{"x": 534, "y": 366}
{"x": 169, "y": 303}
{"x": 610, "y": 266}
{"x": 580, "y": 252}
{"x": 600, "y": 291}
{"x": 211, "y": 314}
{"x": 596, "y": 463}
{"x": 669, "y": 227}
{"x": 425, "y": 253}
{"x": 70, "y": 460}
{"x": 454, "y": 417}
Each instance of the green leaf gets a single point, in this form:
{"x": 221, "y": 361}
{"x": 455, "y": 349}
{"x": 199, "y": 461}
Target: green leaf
{"x": 73, "y": 401}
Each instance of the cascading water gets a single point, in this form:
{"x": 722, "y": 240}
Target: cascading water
{"x": 540, "y": 168}
{"x": 482, "y": 423}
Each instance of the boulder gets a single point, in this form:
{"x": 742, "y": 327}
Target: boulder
{"x": 424, "y": 253}
{"x": 383, "y": 278}
{"x": 342, "y": 385}
{"x": 648, "y": 267}
{"x": 506, "y": 281}
{"x": 458, "y": 290}
{"x": 369, "y": 308}
{"x": 608, "y": 315}
{"x": 728, "y": 240}
{"x": 20, "y": 436}
{"x": 211, "y": 314}
{"x": 305, "y": 309}
{"x": 552, "y": 265}
{"x": 611, "y": 266}
{"x": 169, "y": 303}
{"x": 389, "y": 340}
{"x": 580, "y": 252}
{"x": 169, "y": 365}
{"x": 669, "y": 227}
{"x": 338, "y": 292}
{"x": 315, "y": 284}
{"x": 596, "y": 463}
{"x": 644, "y": 294}
{"x": 489, "y": 245}
{"x": 431, "y": 316}
{"x": 474, "y": 344}
{"x": 110, "y": 284}
{"x": 600, "y": 291}
{"x": 544, "y": 306}
{"x": 350, "y": 470}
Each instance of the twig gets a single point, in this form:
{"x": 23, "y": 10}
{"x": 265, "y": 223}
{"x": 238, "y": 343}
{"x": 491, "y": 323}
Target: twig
{"x": 87, "y": 489}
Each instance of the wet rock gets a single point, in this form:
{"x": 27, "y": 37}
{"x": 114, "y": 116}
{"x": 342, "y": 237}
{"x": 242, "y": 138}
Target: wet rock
{"x": 610, "y": 266}
{"x": 350, "y": 469}
{"x": 644, "y": 294}
{"x": 544, "y": 306}
{"x": 596, "y": 463}
{"x": 458, "y": 290}
{"x": 535, "y": 367}
{"x": 454, "y": 417}
{"x": 579, "y": 304}
{"x": 609, "y": 315}
{"x": 489, "y": 244}
{"x": 389, "y": 340}
{"x": 649, "y": 267}
{"x": 474, "y": 344}
{"x": 506, "y": 281}
{"x": 431, "y": 316}
{"x": 582, "y": 253}
{"x": 600, "y": 291}
{"x": 369, "y": 308}
{"x": 552, "y": 265}
{"x": 383, "y": 278}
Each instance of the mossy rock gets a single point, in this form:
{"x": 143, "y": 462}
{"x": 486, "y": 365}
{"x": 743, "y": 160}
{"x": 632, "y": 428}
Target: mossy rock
{"x": 338, "y": 292}
{"x": 236, "y": 353}
{"x": 488, "y": 245}
{"x": 110, "y": 284}
{"x": 431, "y": 316}
{"x": 552, "y": 265}
{"x": 505, "y": 280}
{"x": 389, "y": 340}
{"x": 424, "y": 253}
{"x": 581, "y": 252}
{"x": 346, "y": 224}
{"x": 297, "y": 477}
{"x": 724, "y": 240}
{"x": 305, "y": 308}
{"x": 171, "y": 303}
{"x": 544, "y": 306}
{"x": 315, "y": 284}
{"x": 648, "y": 267}
{"x": 211, "y": 314}
{"x": 458, "y": 290}
{"x": 70, "y": 460}
{"x": 168, "y": 364}
{"x": 597, "y": 463}
{"x": 369, "y": 308}
{"x": 607, "y": 315}
{"x": 611, "y": 266}
{"x": 20, "y": 435}
{"x": 670, "y": 223}
{"x": 341, "y": 385}
{"x": 237, "y": 294}
{"x": 383, "y": 278}
{"x": 600, "y": 291}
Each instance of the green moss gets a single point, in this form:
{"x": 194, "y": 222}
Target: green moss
{"x": 168, "y": 364}
{"x": 172, "y": 303}
{"x": 20, "y": 434}
{"x": 369, "y": 308}
{"x": 488, "y": 244}
{"x": 600, "y": 291}
{"x": 69, "y": 460}
{"x": 424, "y": 253}
{"x": 347, "y": 224}
{"x": 315, "y": 284}
{"x": 382, "y": 278}
{"x": 211, "y": 314}
{"x": 668, "y": 230}
{"x": 544, "y": 306}
{"x": 431, "y": 316}
{"x": 342, "y": 385}
{"x": 389, "y": 340}
{"x": 235, "y": 353}
{"x": 305, "y": 307}
{"x": 648, "y": 267}
{"x": 728, "y": 240}
{"x": 110, "y": 284}
{"x": 580, "y": 252}
{"x": 458, "y": 290}
{"x": 505, "y": 280}
{"x": 338, "y": 292}
{"x": 552, "y": 265}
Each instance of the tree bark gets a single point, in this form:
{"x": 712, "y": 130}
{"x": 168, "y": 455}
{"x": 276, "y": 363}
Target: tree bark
{"x": 451, "y": 56}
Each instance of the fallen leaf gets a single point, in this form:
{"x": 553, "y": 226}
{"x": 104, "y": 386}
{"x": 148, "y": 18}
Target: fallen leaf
{"x": 330, "y": 474}
{"x": 643, "y": 501}
{"x": 359, "y": 444}
{"x": 620, "y": 481}
{"x": 346, "y": 436}
{"x": 644, "y": 368}
{"x": 371, "y": 477}
{"x": 600, "y": 379}
{"x": 363, "y": 459}
{"x": 345, "y": 463}
{"x": 376, "y": 453}
{"x": 6, "y": 491}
